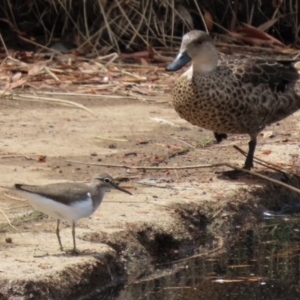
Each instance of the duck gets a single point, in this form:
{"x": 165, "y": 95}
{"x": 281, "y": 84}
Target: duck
{"x": 234, "y": 96}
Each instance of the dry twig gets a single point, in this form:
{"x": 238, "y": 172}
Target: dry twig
{"x": 194, "y": 167}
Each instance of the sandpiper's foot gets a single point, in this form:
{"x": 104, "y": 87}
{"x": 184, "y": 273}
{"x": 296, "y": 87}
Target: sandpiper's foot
{"x": 72, "y": 251}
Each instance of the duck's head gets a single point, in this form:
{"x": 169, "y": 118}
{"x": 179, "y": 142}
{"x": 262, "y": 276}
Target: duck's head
{"x": 196, "y": 46}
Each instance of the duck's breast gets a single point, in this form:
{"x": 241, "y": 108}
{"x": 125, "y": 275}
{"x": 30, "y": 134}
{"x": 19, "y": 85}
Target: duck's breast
{"x": 223, "y": 103}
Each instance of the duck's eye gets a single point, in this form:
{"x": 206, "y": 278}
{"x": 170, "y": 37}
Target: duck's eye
{"x": 106, "y": 180}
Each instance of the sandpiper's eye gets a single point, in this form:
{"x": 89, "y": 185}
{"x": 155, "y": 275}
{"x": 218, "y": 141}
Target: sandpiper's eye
{"x": 107, "y": 180}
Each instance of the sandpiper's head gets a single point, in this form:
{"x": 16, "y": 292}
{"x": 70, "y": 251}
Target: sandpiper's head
{"x": 106, "y": 182}
{"x": 199, "y": 47}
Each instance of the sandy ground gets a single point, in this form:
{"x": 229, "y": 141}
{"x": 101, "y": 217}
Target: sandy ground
{"x": 137, "y": 137}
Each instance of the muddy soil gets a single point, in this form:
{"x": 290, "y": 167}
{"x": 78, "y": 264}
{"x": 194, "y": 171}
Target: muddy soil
{"x": 39, "y": 143}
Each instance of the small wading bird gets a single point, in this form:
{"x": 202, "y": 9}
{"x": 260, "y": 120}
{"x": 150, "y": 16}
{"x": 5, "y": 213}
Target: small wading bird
{"x": 69, "y": 201}
{"x": 235, "y": 96}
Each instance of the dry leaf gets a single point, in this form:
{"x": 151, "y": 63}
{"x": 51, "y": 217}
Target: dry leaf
{"x": 143, "y": 91}
{"x": 265, "y": 26}
{"x": 43, "y": 266}
{"x": 249, "y": 40}
{"x": 251, "y": 32}
{"x": 23, "y": 55}
{"x": 254, "y": 279}
{"x": 133, "y": 79}
{"x": 238, "y": 266}
{"x": 17, "y": 83}
{"x": 8, "y": 240}
{"x": 228, "y": 280}
{"x": 266, "y": 152}
{"x": 185, "y": 16}
{"x": 138, "y": 54}
{"x": 150, "y": 51}
{"x": 16, "y": 76}
{"x": 208, "y": 20}
{"x": 143, "y": 61}
{"x": 42, "y": 158}
{"x": 267, "y": 134}
{"x": 287, "y": 50}
{"x": 175, "y": 147}
{"x": 36, "y": 69}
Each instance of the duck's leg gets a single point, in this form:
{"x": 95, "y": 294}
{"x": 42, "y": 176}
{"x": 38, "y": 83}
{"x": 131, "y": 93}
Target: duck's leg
{"x": 249, "y": 160}
{"x": 220, "y": 136}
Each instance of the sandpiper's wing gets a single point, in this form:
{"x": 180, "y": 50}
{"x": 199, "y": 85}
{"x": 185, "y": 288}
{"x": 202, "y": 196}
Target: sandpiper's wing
{"x": 65, "y": 192}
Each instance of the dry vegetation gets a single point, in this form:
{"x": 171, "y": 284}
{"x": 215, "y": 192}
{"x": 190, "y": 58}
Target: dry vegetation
{"x": 82, "y": 46}
{"x": 102, "y": 26}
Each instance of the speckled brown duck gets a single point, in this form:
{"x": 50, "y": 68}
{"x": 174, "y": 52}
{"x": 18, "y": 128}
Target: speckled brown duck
{"x": 235, "y": 96}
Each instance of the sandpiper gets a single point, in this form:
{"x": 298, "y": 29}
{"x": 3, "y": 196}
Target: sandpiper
{"x": 69, "y": 201}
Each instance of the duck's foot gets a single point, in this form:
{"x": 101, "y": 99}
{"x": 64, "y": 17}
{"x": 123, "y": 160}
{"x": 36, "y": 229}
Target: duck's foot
{"x": 220, "y": 136}
{"x": 234, "y": 174}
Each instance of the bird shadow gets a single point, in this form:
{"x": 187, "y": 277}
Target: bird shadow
{"x": 69, "y": 253}
{"x": 252, "y": 179}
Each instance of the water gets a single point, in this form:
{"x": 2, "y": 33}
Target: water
{"x": 263, "y": 264}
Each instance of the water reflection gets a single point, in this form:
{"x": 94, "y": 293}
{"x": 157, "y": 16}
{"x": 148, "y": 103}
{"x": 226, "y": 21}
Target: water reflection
{"x": 264, "y": 264}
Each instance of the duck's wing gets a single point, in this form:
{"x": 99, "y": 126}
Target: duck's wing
{"x": 277, "y": 75}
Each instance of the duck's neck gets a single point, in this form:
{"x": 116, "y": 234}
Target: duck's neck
{"x": 206, "y": 62}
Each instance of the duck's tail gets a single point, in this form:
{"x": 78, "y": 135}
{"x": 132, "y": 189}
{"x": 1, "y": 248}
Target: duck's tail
{"x": 287, "y": 103}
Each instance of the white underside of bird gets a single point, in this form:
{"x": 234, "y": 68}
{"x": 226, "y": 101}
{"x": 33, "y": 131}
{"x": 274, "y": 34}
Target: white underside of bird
{"x": 71, "y": 213}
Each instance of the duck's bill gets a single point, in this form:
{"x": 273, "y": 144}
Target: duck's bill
{"x": 180, "y": 61}
{"x": 122, "y": 190}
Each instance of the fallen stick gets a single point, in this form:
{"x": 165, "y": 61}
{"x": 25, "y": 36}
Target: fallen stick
{"x": 263, "y": 162}
{"x": 194, "y": 167}
{"x": 146, "y": 167}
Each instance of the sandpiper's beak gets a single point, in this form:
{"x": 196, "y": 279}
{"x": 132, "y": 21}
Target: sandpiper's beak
{"x": 181, "y": 60}
{"x": 120, "y": 189}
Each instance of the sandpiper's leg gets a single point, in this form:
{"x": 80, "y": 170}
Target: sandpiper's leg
{"x": 73, "y": 234}
{"x": 220, "y": 136}
{"x": 57, "y": 234}
{"x": 250, "y": 155}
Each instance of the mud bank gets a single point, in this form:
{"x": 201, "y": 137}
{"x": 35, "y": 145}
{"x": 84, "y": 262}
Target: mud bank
{"x": 171, "y": 212}
{"x": 40, "y": 271}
